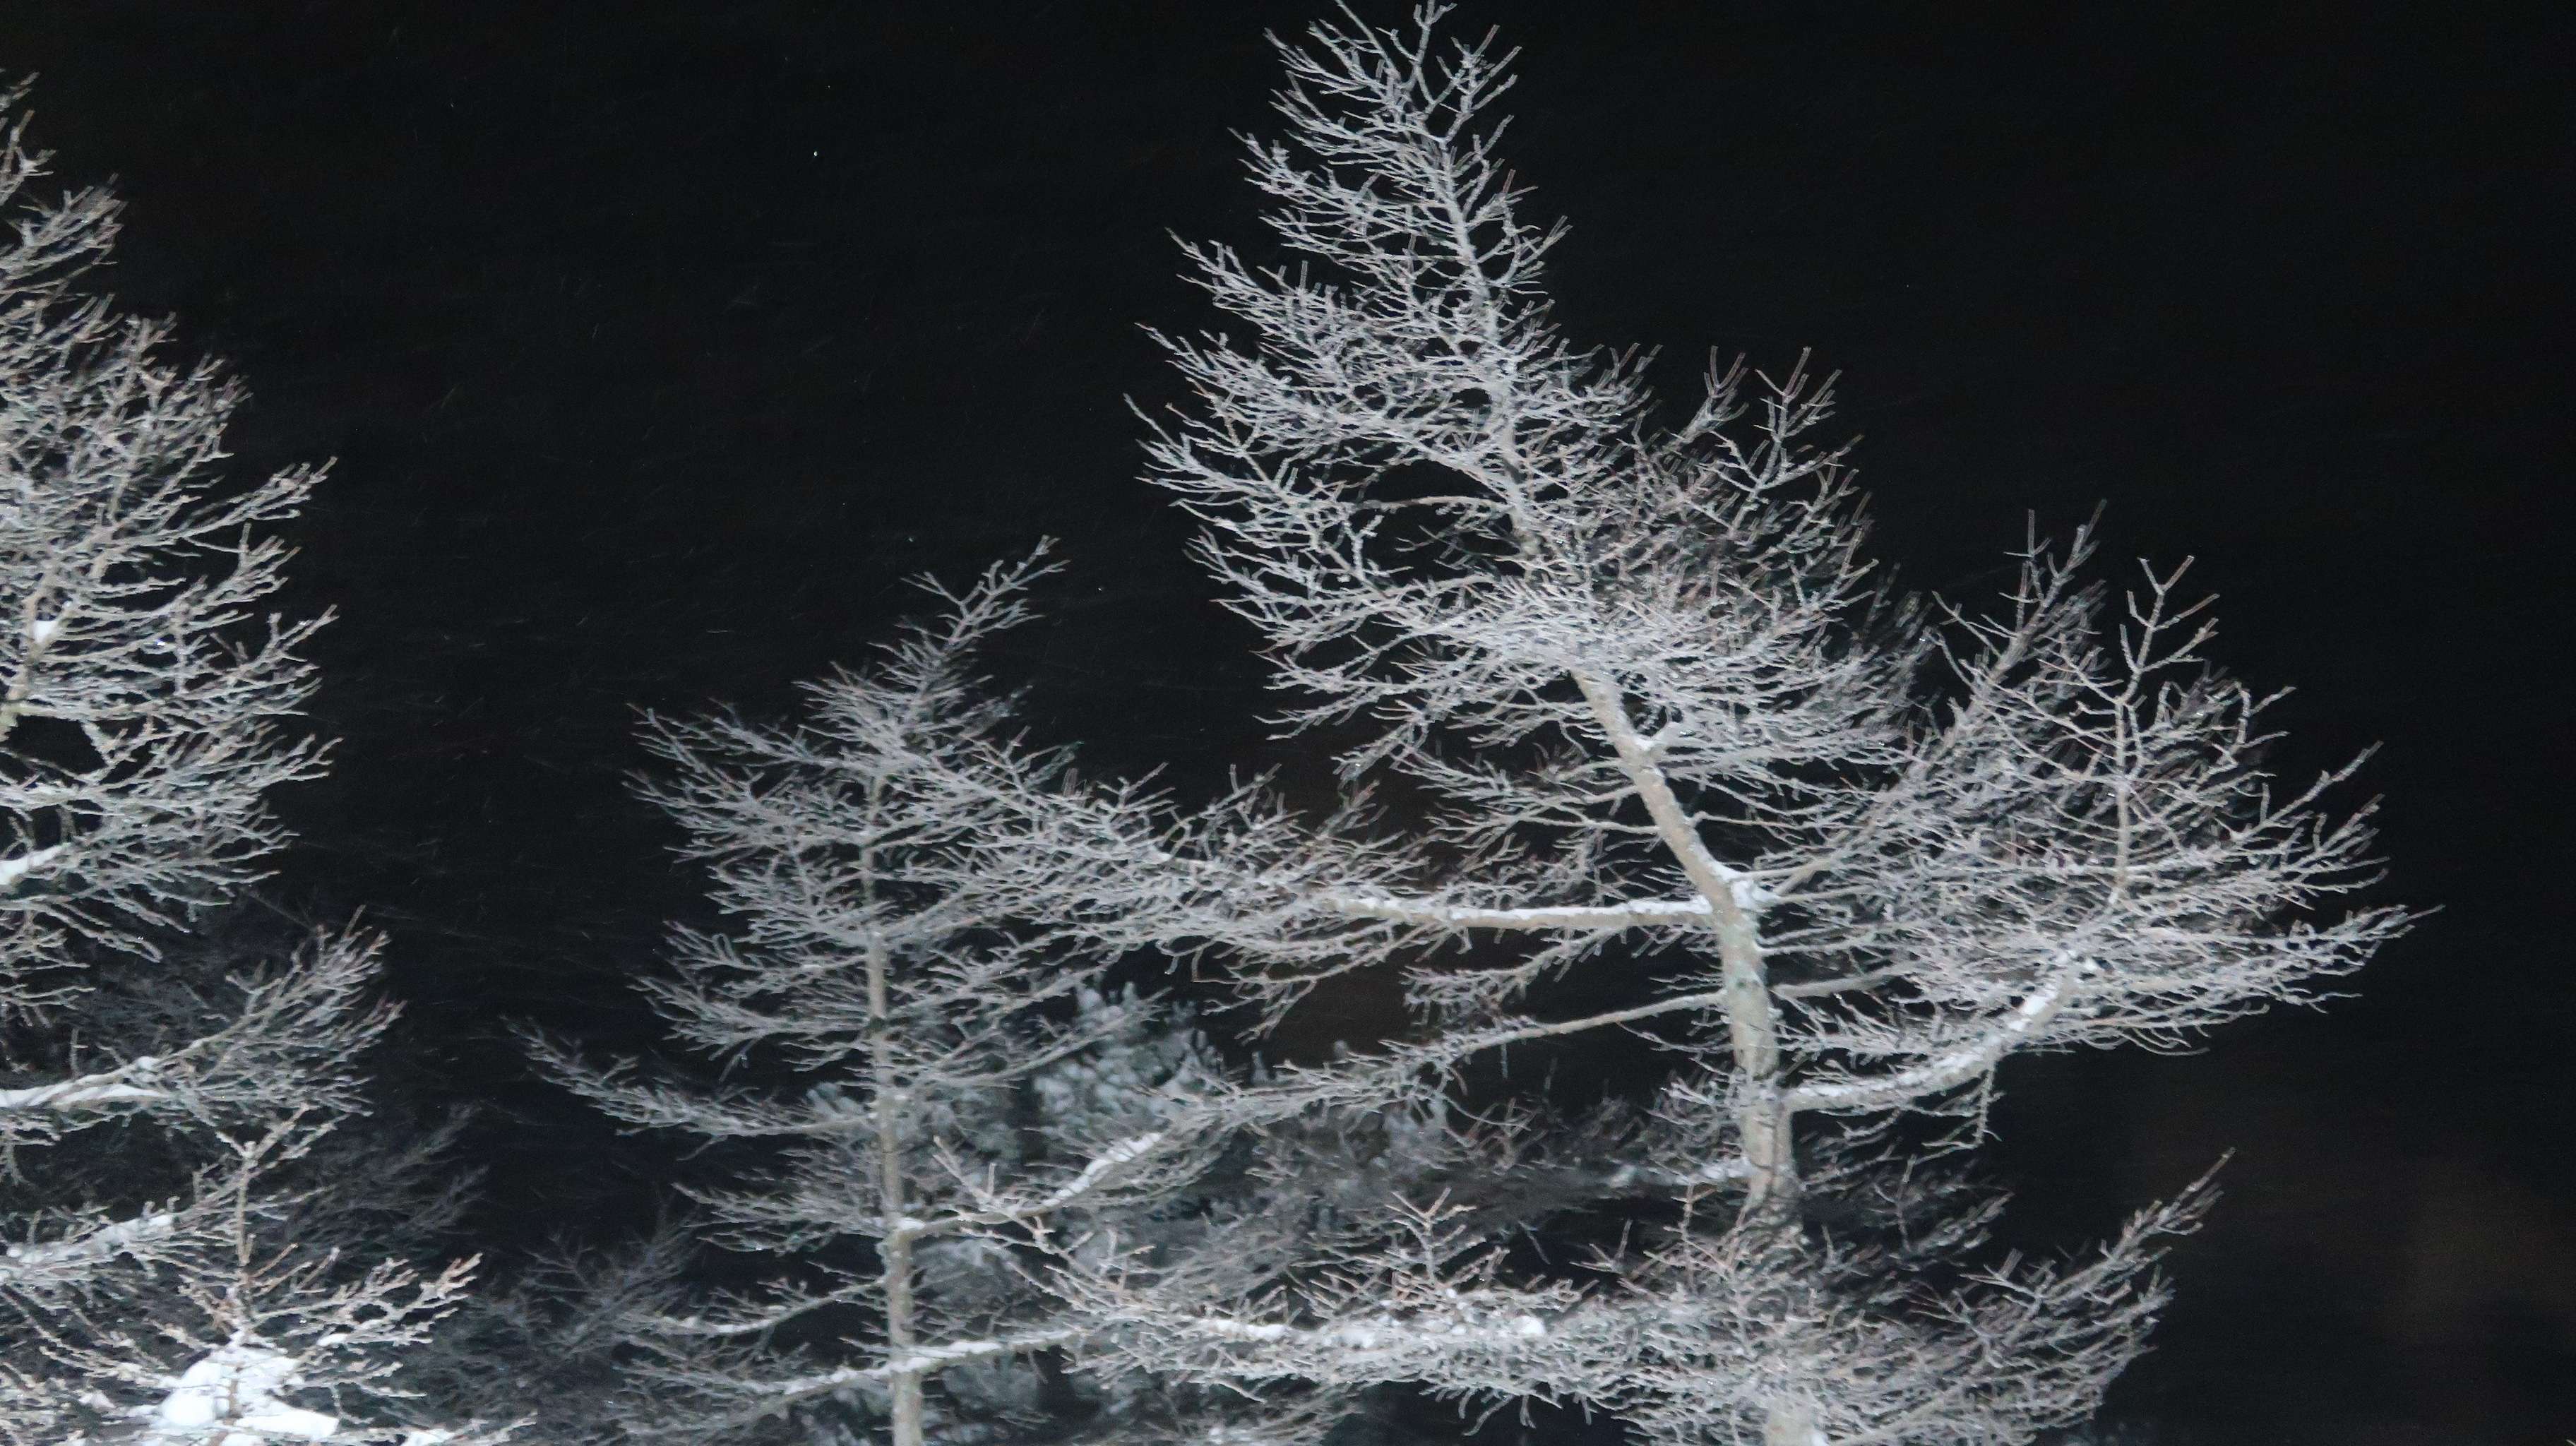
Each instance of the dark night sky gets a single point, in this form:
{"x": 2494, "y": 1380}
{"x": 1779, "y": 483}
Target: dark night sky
{"x": 657, "y": 342}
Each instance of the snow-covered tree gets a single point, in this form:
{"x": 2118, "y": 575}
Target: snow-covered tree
{"x": 956, "y": 1106}
{"x": 1659, "y": 722}
{"x": 177, "y": 1266}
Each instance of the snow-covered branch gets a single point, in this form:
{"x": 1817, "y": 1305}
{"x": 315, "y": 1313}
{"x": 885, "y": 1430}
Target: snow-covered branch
{"x": 132, "y": 1083}
{"x": 1639, "y": 914}
{"x": 1944, "y": 1072}
{"x": 34, "y": 1268}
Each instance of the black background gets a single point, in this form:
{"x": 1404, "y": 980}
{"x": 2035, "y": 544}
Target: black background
{"x": 657, "y": 342}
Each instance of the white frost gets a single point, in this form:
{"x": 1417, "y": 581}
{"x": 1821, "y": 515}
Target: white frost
{"x": 12, "y": 870}
{"x": 229, "y": 1398}
{"x": 108, "y": 1087}
{"x": 99, "y": 1244}
{"x": 1627, "y": 914}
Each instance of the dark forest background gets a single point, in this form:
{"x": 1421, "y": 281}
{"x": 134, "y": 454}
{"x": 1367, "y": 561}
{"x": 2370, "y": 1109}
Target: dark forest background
{"x": 658, "y": 342}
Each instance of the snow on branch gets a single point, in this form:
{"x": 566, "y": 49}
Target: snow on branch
{"x": 14, "y": 869}
{"x": 129, "y": 1084}
{"x": 304, "y": 1021}
{"x": 37, "y": 1267}
{"x": 1639, "y": 914}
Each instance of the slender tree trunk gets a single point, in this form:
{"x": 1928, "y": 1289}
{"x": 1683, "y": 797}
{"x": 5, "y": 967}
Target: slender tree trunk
{"x": 894, "y": 1248}
{"x": 904, "y": 1385}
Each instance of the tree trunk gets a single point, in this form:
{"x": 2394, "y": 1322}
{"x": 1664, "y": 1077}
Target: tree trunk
{"x": 1752, "y": 1024}
{"x": 894, "y": 1249}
